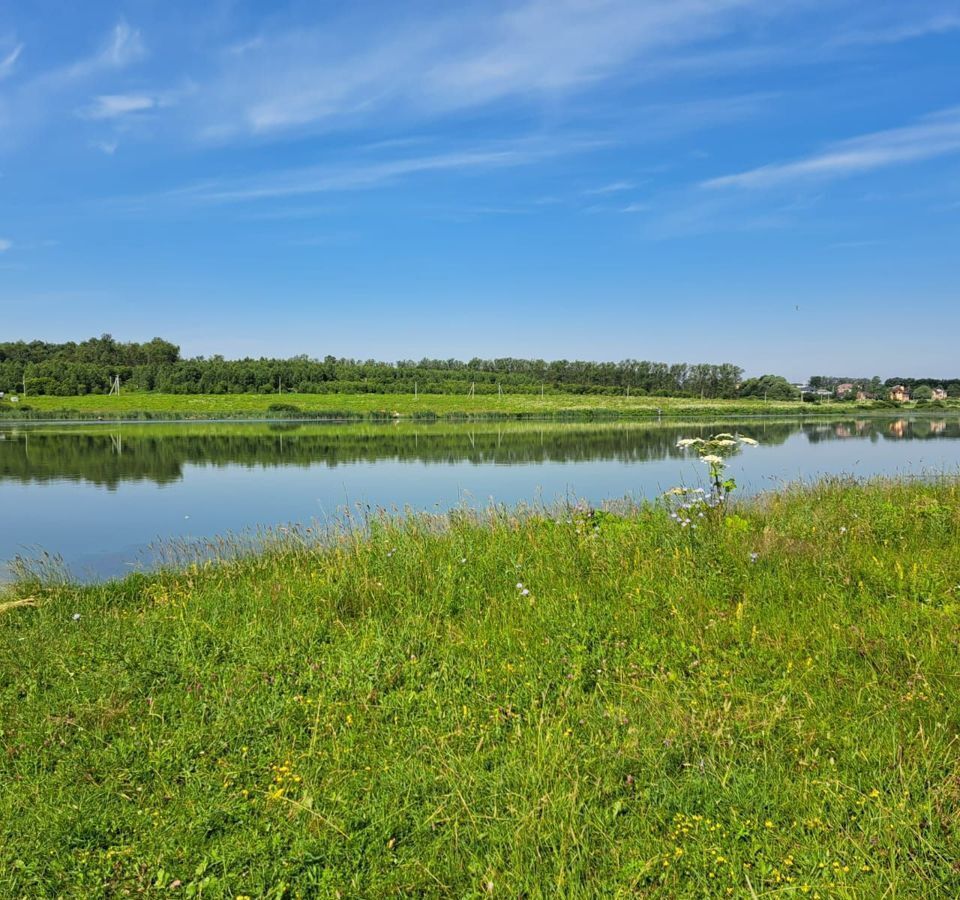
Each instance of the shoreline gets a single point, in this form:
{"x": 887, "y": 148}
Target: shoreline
{"x": 386, "y": 408}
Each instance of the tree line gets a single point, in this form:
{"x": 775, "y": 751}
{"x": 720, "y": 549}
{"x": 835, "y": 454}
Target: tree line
{"x": 89, "y": 367}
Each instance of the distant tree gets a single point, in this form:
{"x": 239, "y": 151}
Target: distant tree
{"x": 159, "y": 351}
{"x": 923, "y": 392}
{"x": 769, "y": 387}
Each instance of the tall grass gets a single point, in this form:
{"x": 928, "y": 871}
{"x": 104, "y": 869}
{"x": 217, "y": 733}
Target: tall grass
{"x": 387, "y": 407}
{"x": 510, "y": 704}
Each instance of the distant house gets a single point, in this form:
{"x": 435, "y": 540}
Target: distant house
{"x": 899, "y": 394}
{"x": 844, "y": 389}
{"x": 863, "y": 395}
{"x": 939, "y": 394}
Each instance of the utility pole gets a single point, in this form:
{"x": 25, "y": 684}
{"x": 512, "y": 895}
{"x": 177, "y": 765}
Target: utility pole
{"x": 499, "y": 390}
{"x": 415, "y": 394}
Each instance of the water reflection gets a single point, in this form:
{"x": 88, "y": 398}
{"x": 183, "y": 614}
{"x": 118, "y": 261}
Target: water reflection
{"x": 98, "y": 495}
{"x": 109, "y": 455}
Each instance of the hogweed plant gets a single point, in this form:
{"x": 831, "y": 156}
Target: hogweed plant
{"x": 698, "y": 503}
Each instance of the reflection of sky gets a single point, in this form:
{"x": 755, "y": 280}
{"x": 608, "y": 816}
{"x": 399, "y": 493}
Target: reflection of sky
{"x": 102, "y": 531}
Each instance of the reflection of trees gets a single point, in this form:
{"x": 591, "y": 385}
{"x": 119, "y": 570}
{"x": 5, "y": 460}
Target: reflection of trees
{"x": 111, "y": 455}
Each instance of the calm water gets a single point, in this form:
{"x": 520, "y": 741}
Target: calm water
{"x": 98, "y": 496}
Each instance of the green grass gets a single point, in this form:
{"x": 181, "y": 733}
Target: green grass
{"x": 391, "y": 715}
{"x": 147, "y": 405}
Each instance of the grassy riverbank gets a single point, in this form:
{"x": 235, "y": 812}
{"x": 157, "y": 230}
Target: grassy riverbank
{"x": 367, "y": 406}
{"x": 655, "y": 711}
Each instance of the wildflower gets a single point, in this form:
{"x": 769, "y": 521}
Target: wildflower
{"x": 711, "y": 459}
{"x": 750, "y": 442}
{"x": 463, "y": 559}
{"x": 843, "y": 529}
{"x": 754, "y": 557}
{"x": 525, "y": 592}
{"x": 519, "y": 585}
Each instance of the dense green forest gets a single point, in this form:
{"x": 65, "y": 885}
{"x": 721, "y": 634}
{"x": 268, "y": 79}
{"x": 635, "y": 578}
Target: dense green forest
{"x": 90, "y": 366}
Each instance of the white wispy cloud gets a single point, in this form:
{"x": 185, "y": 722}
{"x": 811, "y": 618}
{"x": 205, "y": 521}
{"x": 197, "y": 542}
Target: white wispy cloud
{"x": 614, "y": 187}
{"x": 113, "y": 106}
{"x": 48, "y": 95}
{"x": 532, "y": 50}
{"x": 899, "y": 32}
{"x": 123, "y": 46}
{"x": 354, "y": 176}
{"x": 108, "y": 147}
{"x": 5, "y": 244}
{"x": 9, "y": 61}
{"x": 933, "y": 136}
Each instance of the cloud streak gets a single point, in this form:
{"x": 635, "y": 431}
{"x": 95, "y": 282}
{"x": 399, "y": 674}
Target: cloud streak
{"x": 5, "y": 245}
{"x": 341, "y": 177}
{"x": 114, "y": 106}
{"x": 896, "y": 34}
{"x": 123, "y": 47}
{"x": 9, "y": 62}
{"x": 933, "y": 136}
{"x": 614, "y": 187}
{"x": 33, "y": 102}
{"x": 532, "y": 51}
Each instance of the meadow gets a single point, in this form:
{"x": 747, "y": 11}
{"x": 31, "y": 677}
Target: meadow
{"x": 147, "y": 405}
{"x": 511, "y": 703}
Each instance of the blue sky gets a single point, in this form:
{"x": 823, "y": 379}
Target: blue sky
{"x": 769, "y": 182}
